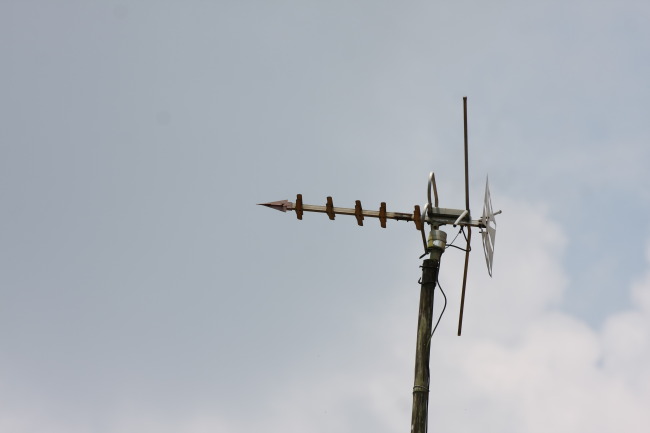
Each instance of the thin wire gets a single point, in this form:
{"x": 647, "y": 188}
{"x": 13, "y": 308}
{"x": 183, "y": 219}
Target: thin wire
{"x": 434, "y": 304}
{"x": 454, "y": 240}
{"x": 455, "y": 246}
{"x": 426, "y": 423}
{"x": 443, "y": 308}
{"x": 451, "y": 244}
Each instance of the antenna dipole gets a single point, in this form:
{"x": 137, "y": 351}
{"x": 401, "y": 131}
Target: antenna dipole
{"x": 466, "y": 153}
{"x": 469, "y": 229}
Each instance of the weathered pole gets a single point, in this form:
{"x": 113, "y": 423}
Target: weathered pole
{"x": 430, "y": 267}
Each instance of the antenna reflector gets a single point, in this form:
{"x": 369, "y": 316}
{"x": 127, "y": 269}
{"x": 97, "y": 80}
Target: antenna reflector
{"x": 490, "y": 227}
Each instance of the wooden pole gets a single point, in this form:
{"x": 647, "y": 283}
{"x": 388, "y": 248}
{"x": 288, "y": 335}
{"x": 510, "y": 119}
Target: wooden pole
{"x": 419, "y": 415}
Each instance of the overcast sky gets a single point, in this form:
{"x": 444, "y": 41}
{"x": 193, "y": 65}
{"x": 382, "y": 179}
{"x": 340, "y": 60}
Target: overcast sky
{"x": 141, "y": 289}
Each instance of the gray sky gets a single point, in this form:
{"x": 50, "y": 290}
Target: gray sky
{"x": 142, "y": 290}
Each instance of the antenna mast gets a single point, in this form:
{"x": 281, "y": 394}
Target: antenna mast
{"x": 434, "y": 246}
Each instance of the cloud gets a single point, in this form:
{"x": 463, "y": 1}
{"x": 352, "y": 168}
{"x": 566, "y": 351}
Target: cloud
{"x": 626, "y": 340}
{"x": 541, "y": 369}
{"x": 521, "y": 366}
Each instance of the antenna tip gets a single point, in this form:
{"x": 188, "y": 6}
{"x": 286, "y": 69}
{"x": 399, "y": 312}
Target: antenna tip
{"x": 281, "y": 205}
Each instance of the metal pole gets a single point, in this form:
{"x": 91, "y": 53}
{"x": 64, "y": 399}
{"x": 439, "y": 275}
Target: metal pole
{"x": 466, "y": 151}
{"x": 462, "y": 296}
{"x": 469, "y": 229}
{"x": 430, "y": 267}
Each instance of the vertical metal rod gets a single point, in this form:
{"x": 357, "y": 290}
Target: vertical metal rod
{"x": 462, "y": 296}
{"x": 469, "y": 229}
{"x": 466, "y": 157}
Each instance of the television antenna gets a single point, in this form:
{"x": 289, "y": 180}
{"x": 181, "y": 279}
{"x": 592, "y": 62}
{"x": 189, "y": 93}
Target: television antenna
{"x": 434, "y": 245}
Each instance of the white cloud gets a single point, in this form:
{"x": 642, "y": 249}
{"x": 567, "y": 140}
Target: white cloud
{"x": 626, "y": 341}
{"x": 521, "y": 366}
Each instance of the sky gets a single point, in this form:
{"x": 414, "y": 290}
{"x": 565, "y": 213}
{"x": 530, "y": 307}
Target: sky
{"x": 142, "y": 289}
